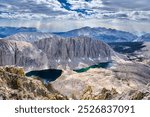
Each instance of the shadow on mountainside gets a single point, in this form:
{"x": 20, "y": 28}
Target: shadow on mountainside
{"x": 127, "y": 47}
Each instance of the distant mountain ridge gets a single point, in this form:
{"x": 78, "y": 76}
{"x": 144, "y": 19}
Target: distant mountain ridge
{"x": 107, "y": 35}
{"x": 7, "y": 31}
{"x": 104, "y": 34}
{"x": 145, "y": 37}
{"x": 29, "y": 36}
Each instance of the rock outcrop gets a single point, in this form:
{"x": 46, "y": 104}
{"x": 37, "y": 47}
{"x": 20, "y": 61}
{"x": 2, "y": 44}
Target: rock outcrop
{"x": 53, "y": 52}
{"x": 127, "y": 81}
{"x": 23, "y": 54}
{"x": 15, "y": 86}
{"x": 74, "y": 52}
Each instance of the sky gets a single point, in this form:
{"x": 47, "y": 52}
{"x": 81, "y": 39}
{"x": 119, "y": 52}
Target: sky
{"x": 64, "y": 15}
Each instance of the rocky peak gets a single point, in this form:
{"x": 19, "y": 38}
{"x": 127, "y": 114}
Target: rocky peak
{"x": 72, "y": 52}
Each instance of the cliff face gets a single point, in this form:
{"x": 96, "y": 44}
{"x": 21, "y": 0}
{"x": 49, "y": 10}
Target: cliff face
{"x": 54, "y": 52}
{"x": 21, "y": 54}
{"x": 74, "y": 52}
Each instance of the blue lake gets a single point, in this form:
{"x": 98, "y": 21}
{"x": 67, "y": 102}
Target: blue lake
{"x": 100, "y": 65}
{"x": 47, "y": 75}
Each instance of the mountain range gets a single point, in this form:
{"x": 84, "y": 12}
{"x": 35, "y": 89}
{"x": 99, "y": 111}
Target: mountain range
{"x": 145, "y": 37}
{"x": 7, "y": 31}
{"x": 126, "y": 77}
{"x": 54, "y": 52}
{"x": 29, "y": 36}
{"x": 104, "y": 34}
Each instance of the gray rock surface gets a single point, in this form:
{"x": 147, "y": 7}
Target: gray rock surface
{"x": 23, "y": 54}
{"x": 125, "y": 81}
{"x": 53, "y": 52}
{"x": 74, "y": 52}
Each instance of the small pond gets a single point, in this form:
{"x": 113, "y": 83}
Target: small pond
{"x": 100, "y": 65}
{"x": 46, "y": 75}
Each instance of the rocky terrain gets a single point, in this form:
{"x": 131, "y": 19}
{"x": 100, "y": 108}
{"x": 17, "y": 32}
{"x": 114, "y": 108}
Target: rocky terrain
{"x": 14, "y": 85}
{"x": 54, "y": 52}
{"x": 126, "y": 81}
{"x": 135, "y": 51}
{"x": 20, "y": 53}
{"x": 74, "y": 53}
{"x": 128, "y": 76}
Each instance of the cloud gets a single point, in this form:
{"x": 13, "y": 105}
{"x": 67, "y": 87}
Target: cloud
{"x": 53, "y": 14}
{"x": 31, "y": 9}
{"x": 127, "y": 4}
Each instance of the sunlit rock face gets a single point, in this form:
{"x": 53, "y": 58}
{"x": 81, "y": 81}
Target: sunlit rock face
{"x": 22, "y": 54}
{"x": 52, "y": 52}
{"x": 74, "y": 53}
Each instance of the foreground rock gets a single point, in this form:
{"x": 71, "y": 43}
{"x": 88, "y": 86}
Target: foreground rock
{"x": 14, "y": 85}
{"x": 125, "y": 81}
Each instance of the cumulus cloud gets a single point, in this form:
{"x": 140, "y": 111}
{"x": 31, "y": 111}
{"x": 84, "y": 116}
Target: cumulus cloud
{"x": 47, "y": 13}
{"x": 127, "y": 4}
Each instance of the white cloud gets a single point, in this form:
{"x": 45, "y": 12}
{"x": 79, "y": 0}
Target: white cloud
{"x": 52, "y": 15}
{"x": 82, "y": 4}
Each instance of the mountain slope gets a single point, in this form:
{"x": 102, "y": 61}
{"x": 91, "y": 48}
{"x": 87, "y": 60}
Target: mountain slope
{"x": 29, "y": 36}
{"x": 21, "y": 54}
{"x": 135, "y": 51}
{"x": 107, "y": 35}
{"x": 145, "y": 37}
{"x": 74, "y": 52}
{"x": 54, "y": 52}
{"x": 7, "y": 31}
